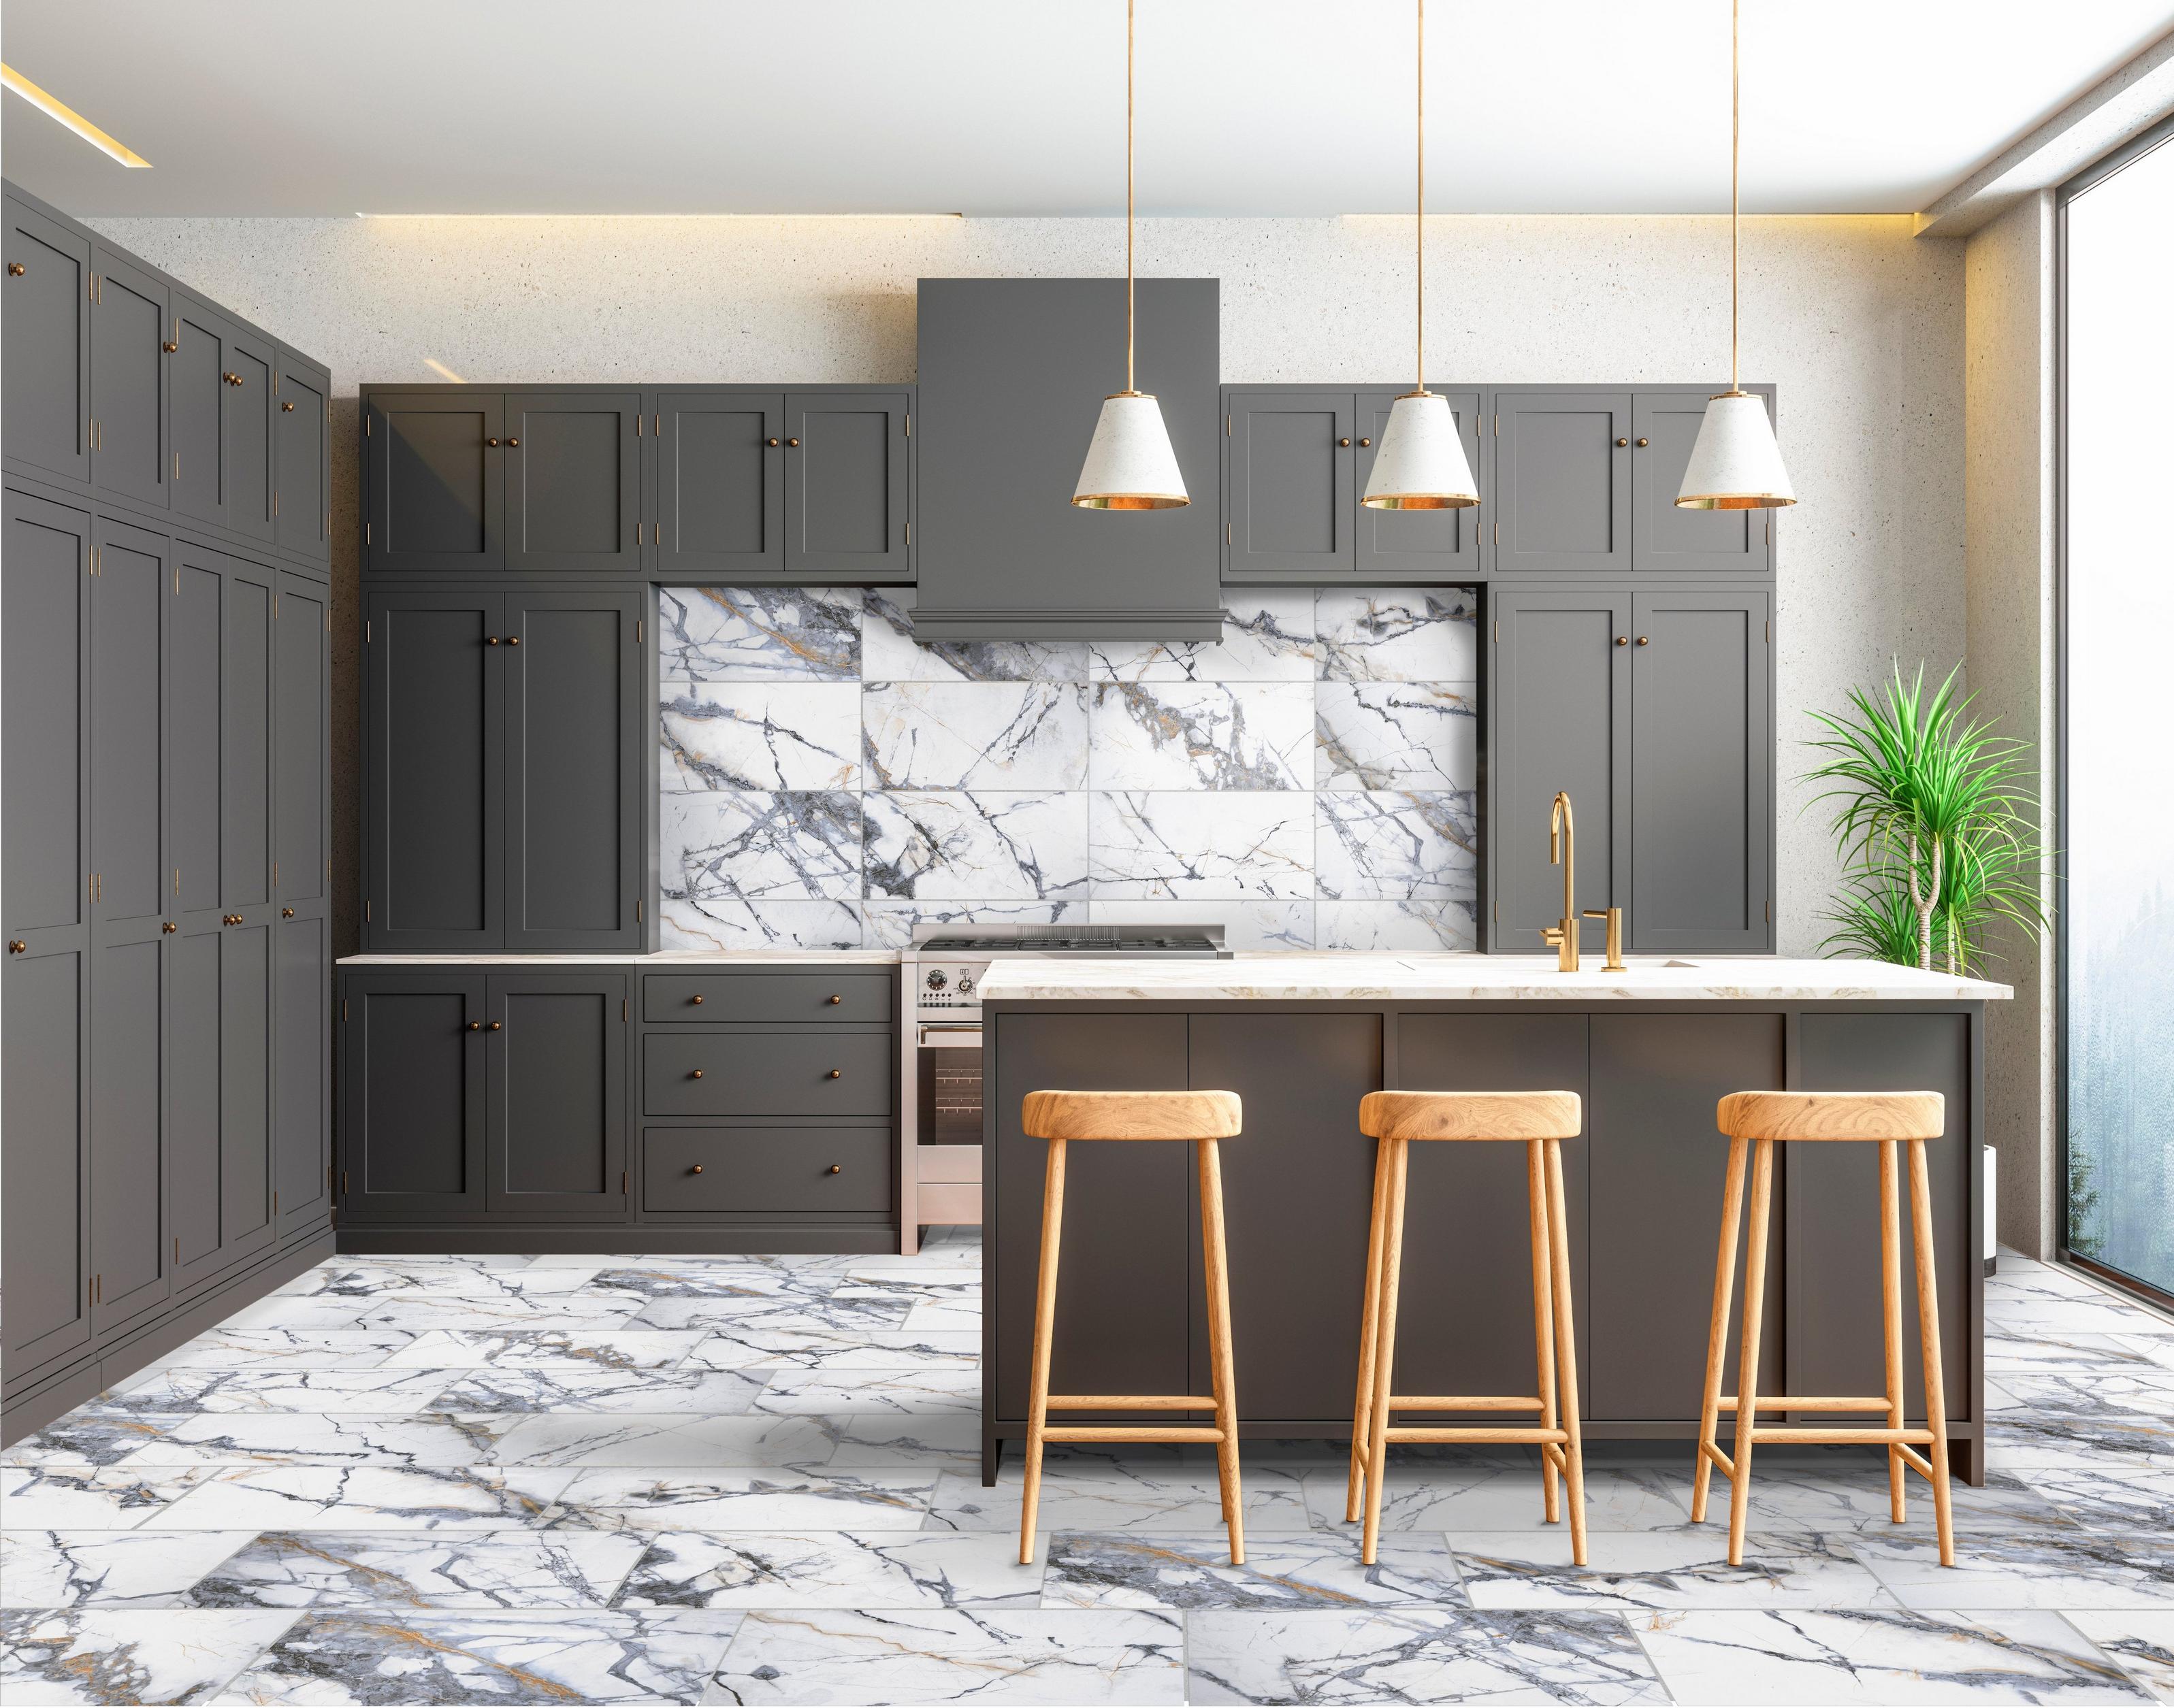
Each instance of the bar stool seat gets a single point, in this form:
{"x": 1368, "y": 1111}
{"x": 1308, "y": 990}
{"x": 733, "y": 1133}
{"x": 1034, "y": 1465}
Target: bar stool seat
{"x": 1202, "y": 1119}
{"x": 1764, "y": 1119}
{"x": 1540, "y": 1121}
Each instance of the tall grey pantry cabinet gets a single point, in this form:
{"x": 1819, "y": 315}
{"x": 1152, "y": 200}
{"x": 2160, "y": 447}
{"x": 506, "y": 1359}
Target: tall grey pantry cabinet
{"x": 163, "y": 879}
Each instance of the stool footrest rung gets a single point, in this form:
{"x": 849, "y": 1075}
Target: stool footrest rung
{"x": 1468, "y": 1403}
{"x": 1918, "y": 1463}
{"x": 1811, "y": 1402}
{"x": 1769, "y": 1432}
{"x": 1552, "y": 1451}
{"x": 1531, "y": 1435}
{"x": 1727, "y": 1465}
{"x": 1131, "y": 1432}
{"x": 1135, "y": 1402}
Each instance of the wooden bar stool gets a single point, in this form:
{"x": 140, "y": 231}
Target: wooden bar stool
{"x": 1765, "y": 1119}
{"x": 1201, "y": 1118}
{"x": 1541, "y": 1120}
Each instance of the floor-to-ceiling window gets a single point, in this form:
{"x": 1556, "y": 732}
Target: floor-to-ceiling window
{"x": 2118, "y": 723}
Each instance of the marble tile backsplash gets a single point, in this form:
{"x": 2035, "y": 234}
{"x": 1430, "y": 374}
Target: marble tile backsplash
{"x": 828, "y": 781}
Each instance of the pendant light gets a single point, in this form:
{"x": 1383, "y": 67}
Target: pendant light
{"x": 1421, "y": 464}
{"x": 1130, "y": 464}
{"x": 1735, "y": 463}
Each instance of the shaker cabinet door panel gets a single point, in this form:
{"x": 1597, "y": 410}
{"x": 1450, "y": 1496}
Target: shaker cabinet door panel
{"x": 848, "y": 486}
{"x": 1407, "y": 545}
{"x": 194, "y": 975}
{"x": 127, "y": 660}
{"x": 44, "y": 717}
{"x": 573, "y": 482}
{"x": 301, "y": 1065}
{"x": 45, "y": 365}
{"x": 1291, "y": 487}
{"x": 302, "y": 447}
{"x": 1672, "y": 541}
{"x": 128, "y": 1249}
{"x": 245, "y": 452}
{"x": 301, "y": 1021}
{"x": 1563, "y": 474}
{"x": 437, "y": 482}
{"x": 719, "y": 482}
{"x": 245, "y": 738}
{"x": 300, "y": 735}
{"x": 130, "y": 326}
{"x": 556, "y": 1104}
{"x": 196, "y": 688}
{"x": 197, "y": 375}
{"x": 412, "y": 1141}
{"x": 45, "y": 1115}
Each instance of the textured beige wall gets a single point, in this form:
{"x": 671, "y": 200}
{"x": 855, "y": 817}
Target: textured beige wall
{"x": 2009, "y": 487}
{"x": 1859, "y": 324}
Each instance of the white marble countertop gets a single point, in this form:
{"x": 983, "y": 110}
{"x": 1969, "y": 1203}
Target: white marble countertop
{"x": 1319, "y": 977}
{"x": 664, "y": 960}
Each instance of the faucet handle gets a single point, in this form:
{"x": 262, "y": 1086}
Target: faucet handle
{"x": 1599, "y": 912}
{"x": 1552, "y": 936}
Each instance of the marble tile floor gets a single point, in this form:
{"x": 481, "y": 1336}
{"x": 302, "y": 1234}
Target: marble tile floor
{"x": 755, "y": 1480}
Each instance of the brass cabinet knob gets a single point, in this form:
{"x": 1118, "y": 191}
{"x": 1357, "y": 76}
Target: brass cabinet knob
{"x": 792, "y": 443}
{"x": 170, "y": 347}
{"x": 835, "y": 1001}
{"x": 496, "y": 1026}
{"x": 475, "y": 1025}
{"x": 169, "y": 927}
{"x": 772, "y": 443}
{"x": 513, "y": 639}
{"x": 1644, "y": 639}
{"x": 15, "y": 944}
{"x": 835, "y": 1168}
{"x": 1643, "y": 443}
{"x": 286, "y": 913}
{"x": 491, "y": 441}
{"x": 696, "y": 1001}
{"x": 1364, "y": 443}
{"x": 1343, "y": 444}
{"x": 1622, "y": 640}
{"x": 1620, "y": 443}
{"x": 490, "y": 640}
{"x": 834, "y": 1073}
{"x": 697, "y": 1169}
{"x": 15, "y": 270}
{"x": 286, "y": 409}
{"x": 513, "y": 444}
{"x": 696, "y": 1074}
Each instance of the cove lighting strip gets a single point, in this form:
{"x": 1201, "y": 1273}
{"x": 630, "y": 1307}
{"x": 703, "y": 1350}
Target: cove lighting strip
{"x": 67, "y": 116}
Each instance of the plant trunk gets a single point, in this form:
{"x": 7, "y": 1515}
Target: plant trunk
{"x": 1925, "y": 898}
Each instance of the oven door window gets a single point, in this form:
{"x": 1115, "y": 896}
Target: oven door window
{"x": 950, "y": 1091}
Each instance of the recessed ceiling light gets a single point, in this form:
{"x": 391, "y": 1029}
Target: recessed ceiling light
{"x": 69, "y": 117}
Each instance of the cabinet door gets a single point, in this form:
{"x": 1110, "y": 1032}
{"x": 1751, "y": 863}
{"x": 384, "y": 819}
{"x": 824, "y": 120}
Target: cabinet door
{"x": 436, "y": 501}
{"x": 128, "y": 898}
{"x": 573, "y": 482}
{"x": 128, "y": 334}
{"x": 1560, "y": 705}
{"x": 46, "y": 358}
{"x": 1419, "y": 545}
{"x": 411, "y": 1138}
{"x": 847, "y": 487}
{"x": 1701, "y": 804}
{"x": 1291, "y": 487}
{"x": 574, "y": 728}
{"x": 556, "y": 1107}
{"x": 1671, "y": 541}
{"x": 246, "y": 441}
{"x": 197, "y": 374}
{"x": 301, "y": 436}
{"x": 433, "y": 720}
{"x": 721, "y": 484}
{"x": 301, "y": 962}
{"x": 44, "y": 862}
{"x": 1562, "y": 482}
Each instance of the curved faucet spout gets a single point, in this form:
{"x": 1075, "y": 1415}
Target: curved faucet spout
{"x": 1562, "y": 851}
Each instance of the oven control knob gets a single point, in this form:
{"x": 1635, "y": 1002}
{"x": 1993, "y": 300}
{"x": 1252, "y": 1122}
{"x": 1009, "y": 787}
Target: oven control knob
{"x": 965, "y": 983}
{"x": 935, "y": 981}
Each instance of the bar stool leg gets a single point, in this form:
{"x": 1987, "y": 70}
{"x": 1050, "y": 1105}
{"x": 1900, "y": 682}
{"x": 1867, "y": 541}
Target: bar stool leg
{"x": 1929, "y": 1341}
{"x": 1385, "y": 1346}
{"x": 1890, "y": 1318}
{"x": 1218, "y": 1342}
{"x": 1747, "y": 1363}
{"x": 1543, "y": 1322}
{"x": 1362, "y": 1405}
{"x": 1716, "y": 1328}
{"x": 1566, "y": 1352}
{"x": 1045, "y": 1323}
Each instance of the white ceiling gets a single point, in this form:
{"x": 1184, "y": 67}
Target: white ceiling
{"x": 1016, "y": 106}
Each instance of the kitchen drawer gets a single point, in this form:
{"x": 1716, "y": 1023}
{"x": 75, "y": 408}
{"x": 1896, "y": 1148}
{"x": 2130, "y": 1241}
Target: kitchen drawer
{"x": 793, "y": 998}
{"x": 768, "y": 1074}
{"x": 757, "y": 1171}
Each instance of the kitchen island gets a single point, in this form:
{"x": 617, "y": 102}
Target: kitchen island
{"x": 1302, "y": 1037}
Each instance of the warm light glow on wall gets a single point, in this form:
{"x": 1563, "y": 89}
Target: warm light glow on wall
{"x": 68, "y": 115}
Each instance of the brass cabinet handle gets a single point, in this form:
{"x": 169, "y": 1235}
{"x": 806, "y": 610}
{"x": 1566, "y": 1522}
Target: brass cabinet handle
{"x": 834, "y": 1169}
{"x": 513, "y": 444}
{"x": 1643, "y": 443}
{"x": 513, "y": 639}
{"x": 475, "y": 1025}
{"x": 170, "y": 347}
{"x": 14, "y": 269}
{"x": 696, "y": 1001}
{"x": 15, "y": 944}
{"x": 169, "y": 926}
{"x": 1644, "y": 640}
{"x": 835, "y": 1001}
{"x": 834, "y": 1073}
{"x": 496, "y": 1026}
{"x": 1343, "y": 444}
{"x": 792, "y": 443}
{"x": 696, "y": 1074}
{"x": 286, "y": 409}
{"x": 1622, "y": 640}
{"x": 697, "y": 1169}
{"x": 491, "y": 441}
{"x": 772, "y": 443}
{"x": 286, "y": 913}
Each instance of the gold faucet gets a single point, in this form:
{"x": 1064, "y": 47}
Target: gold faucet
{"x": 1562, "y": 851}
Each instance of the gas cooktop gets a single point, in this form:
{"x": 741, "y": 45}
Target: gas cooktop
{"x": 1194, "y": 945}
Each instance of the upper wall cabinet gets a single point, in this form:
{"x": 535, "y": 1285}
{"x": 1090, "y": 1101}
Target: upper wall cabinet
{"x": 573, "y": 482}
{"x": 1295, "y": 465}
{"x": 847, "y": 487}
{"x": 47, "y": 361}
{"x": 435, "y": 482}
{"x": 720, "y": 483}
{"x": 130, "y": 320}
{"x": 221, "y": 379}
{"x": 1585, "y": 482}
{"x": 301, "y": 431}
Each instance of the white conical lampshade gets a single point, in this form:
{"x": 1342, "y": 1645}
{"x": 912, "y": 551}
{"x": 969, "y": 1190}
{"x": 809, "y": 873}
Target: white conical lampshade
{"x": 1735, "y": 463}
{"x": 1130, "y": 465}
{"x": 1421, "y": 464}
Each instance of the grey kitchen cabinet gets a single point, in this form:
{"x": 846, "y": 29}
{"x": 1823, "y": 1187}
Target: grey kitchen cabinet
{"x": 1652, "y": 708}
{"x": 47, "y": 361}
{"x": 1013, "y": 373}
{"x": 411, "y": 1138}
{"x": 1296, "y": 463}
{"x": 434, "y": 493}
{"x": 301, "y": 873}
{"x": 130, "y": 311}
{"x": 848, "y": 487}
{"x": 502, "y": 769}
{"x": 45, "y": 903}
{"x": 555, "y": 1114}
{"x": 1562, "y": 482}
{"x": 302, "y": 442}
{"x": 1666, "y": 541}
{"x": 779, "y": 1170}
{"x": 573, "y": 482}
{"x": 720, "y": 483}
{"x": 839, "y": 1075}
{"x": 220, "y": 377}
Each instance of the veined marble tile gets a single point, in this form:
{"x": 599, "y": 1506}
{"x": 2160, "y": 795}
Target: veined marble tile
{"x": 128, "y": 1654}
{"x": 2107, "y": 1497}
{"x": 1875, "y": 1655}
{"x": 722, "y": 923}
{"x": 1397, "y": 633}
{"x": 905, "y": 1392}
{"x": 1415, "y": 1654}
{"x": 2009, "y": 1350}
{"x": 477, "y": 1655}
{"x": 662, "y": 1439}
{"x": 758, "y": 735}
{"x": 830, "y": 1569}
{"x": 759, "y": 633}
{"x": 2158, "y": 1349}
{"x": 107, "y": 1568}
{"x": 1833, "y": 1500}
{"x": 368, "y": 1497}
{"x": 1131, "y": 1569}
{"x": 1667, "y": 1568}
{"x": 1506, "y": 1497}
{"x": 974, "y": 735}
{"x": 889, "y": 923}
{"x": 1227, "y": 844}
{"x": 780, "y": 1497}
{"x": 313, "y": 1438}
{"x": 1194, "y": 735}
{"x": 1398, "y": 846}
{"x": 596, "y": 1390}
{"x": 780, "y": 1313}
{"x": 945, "y": 1439}
{"x": 314, "y": 1349}
{"x": 1407, "y": 926}
{"x": 779, "y": 845}
{"x": 1283, "y": 924}
{"x": 927, "y": 1284}
{"x": 1396, "y": 735}
{"x": 2145, "y": 1392}
{"x": 749, "y": 1279}
{"x": 85, "y": 1437}
{"x": 450, "y": 1306}
{"x": 71, "y": 1497}
{"x": 890, "y": 653}
{"x": 981, "y": 845}
{"x": 728, "y": 1348}
{"x": 1127, "y": 1495}
{"x": 615, "y": 1348}
{"x": 1068, "y": 1657}
{"x": 389, "y": 1571}
{"x": 482, "y": 1277}
{"x": 2072, "y": 1568}
{"x": 2061, "y": 1315}
{"x": 2142, "y": 1643}
{"x": 2046, "y": 1438}
{"x": 1268, "y": 637}
{"x": 922, "y": 1319}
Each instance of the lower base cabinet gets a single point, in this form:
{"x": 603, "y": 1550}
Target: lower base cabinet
{"x": 727, "y": 1170}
